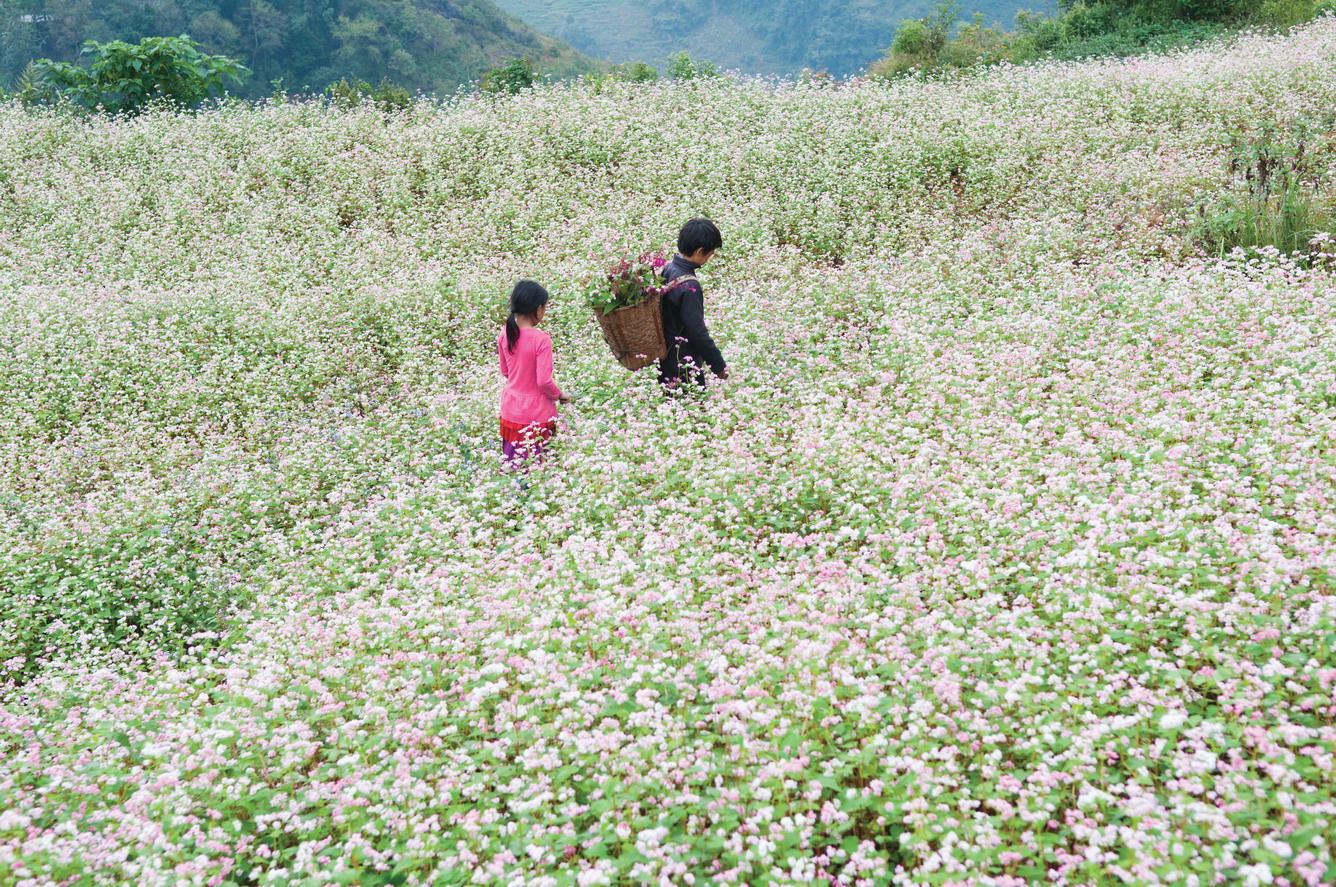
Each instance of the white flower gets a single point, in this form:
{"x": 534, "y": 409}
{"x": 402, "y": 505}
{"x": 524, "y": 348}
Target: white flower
{"x": 1255, "y": 875}
{"x": 1173, "y": 720}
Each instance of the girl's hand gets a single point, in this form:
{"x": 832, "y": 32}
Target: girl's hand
{"x": 565, "y": 398}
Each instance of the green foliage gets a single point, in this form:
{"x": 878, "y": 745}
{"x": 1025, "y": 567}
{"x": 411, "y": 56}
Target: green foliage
{"x": 914, "y": 39}
{"x": 32, "y": 87}
{"x": 927, "y": 36}
{"x": 510, "y": 78}
{"x": 1178, "y": 10}
{"x": 930, "y": 44}
{"x": 423, "y": 45}
{"x": 682, "y": 66}
{"x": 1283, "y": 203}
{"x": 125, "y": 77}
{"x": 1118, "y": 38}
{"x": 348, "y": 94}
{"x": 627, "y": 72}
{"x": 1114, "y": 28}
{"x": 633, "y": 72}
{"x": 626, "y": 282}
{"x": 1288, "y": 13}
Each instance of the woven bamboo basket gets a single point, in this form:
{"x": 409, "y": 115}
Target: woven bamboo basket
{"x": 634, "y": 333}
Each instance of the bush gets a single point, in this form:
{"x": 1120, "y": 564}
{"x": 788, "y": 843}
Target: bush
{"x": 975, "y": 44}
{"x": 683, "y": 67}
{"x": 927, "y": 44}
{"x": 914, "y": 38}
{"x": 1136, "y": 37}
{"x": 1288, "y": 13}
{"x": 349, "y": 94}
{"x": 1282, "y": 203}
{"x": 124, "y": 77}
{"x": 627, "y": 72}
{"x": 32, "y": 88}
{"x": 511, "y": 77}
{"x": 633, "y": 72}
{"x": 1081, "y": 30}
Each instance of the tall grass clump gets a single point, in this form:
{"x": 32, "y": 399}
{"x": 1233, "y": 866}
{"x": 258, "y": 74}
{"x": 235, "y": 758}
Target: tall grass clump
{"x": 1282, "y": 195}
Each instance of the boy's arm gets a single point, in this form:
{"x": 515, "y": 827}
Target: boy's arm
{"x": 543, "y": 354}
{"x": 693, "y": 327}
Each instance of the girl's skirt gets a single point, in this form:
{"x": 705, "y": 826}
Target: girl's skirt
{"x": 520, "y": 443}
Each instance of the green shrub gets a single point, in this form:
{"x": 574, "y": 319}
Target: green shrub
{"x": 1134, "y": 37}
{"x": 683, "y": 67}
{"x": 348, "y": 94}
{"x": 32, "y": 87}
{"x": 633, "y": 72}
{"x": 627, "y": 72}
{"x": 914, "y": 38}
{"x": 1288, "y": 13}
{"x": 124, "y": 77}
{"x": 975, "y": 44}
{"x": 1282, "y": 203}
{"x": 1114, "y": 28}
{"x": 926, "y": 43}
{"x": 511, "y": 77}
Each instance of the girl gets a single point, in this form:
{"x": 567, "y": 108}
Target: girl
{"x": 529, "y": 401}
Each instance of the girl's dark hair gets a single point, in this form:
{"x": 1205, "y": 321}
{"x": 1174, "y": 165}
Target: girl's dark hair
{"x": 699, "y": 234}
{"x": 525, "y": 300}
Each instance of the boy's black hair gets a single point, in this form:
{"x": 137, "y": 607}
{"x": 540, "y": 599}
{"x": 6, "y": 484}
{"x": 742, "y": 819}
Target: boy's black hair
{"x": 699, "y": 234}
{"x": 525, "y": 300}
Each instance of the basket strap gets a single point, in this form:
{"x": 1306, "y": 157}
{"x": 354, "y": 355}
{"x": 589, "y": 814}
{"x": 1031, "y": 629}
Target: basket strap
{"x": 683, "y": 279}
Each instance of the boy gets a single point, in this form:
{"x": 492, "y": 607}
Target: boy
{"x": 690, "y": 348}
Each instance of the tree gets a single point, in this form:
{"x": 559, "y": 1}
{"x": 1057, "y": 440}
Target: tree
{"x": 124, "y": 77}
{"x": 66, "y": 24}
{"x": 363, "y": 45}
{"x": 265, "y": 29}
{"x": 216, "y": 32}
{"x": 511, "y": 77}
{"x": 425, "y": 45}
{"x": 633, "y": 72}
{"x": 683, "y": 67}
{"x": 20, "y": 41}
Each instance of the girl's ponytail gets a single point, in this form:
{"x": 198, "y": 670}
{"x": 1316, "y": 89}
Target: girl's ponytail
{"x": 512, "y": 332}
{"x": 525, "y": 300}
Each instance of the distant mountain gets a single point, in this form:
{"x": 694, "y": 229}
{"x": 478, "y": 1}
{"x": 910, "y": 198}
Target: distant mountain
{"x": 429, "y": 45}
{"x": 779, "y": 37}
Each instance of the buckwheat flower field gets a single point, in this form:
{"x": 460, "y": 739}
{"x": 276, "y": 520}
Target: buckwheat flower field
{"x": 1007, "y": 555}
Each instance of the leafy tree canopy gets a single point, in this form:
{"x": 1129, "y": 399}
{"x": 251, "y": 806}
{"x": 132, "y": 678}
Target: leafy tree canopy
{"x": 427, "y": 45}
{"x": 125, "y": 77}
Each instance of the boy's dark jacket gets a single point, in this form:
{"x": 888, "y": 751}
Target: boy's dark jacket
{"x": 684, "y": 328}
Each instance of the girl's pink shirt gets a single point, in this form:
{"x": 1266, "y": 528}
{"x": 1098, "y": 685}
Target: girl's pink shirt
{"x": 530, "y": 394}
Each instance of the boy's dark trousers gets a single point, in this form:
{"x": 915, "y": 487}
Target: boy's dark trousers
{"x": 686, "y": 373}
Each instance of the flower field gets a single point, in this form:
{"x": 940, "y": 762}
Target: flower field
{"x": 1007, "y": 555}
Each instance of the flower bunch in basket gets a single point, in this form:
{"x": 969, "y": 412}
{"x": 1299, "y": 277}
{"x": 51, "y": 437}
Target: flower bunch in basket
{"x": 628, "y": 282}
{"x": 625, "y": 301}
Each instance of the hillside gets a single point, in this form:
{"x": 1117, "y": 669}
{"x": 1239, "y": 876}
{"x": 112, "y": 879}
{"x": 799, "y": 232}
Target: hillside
{"x": 1003, "y": 557}
{"x": 428, "y": 45}
{"x": 842, "y": 36}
